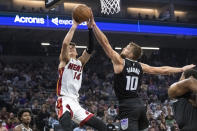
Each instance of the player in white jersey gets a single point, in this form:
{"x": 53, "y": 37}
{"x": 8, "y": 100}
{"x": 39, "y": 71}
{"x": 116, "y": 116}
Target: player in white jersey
{"x": 69, "y": 82}
{"x": 24, "y": 117}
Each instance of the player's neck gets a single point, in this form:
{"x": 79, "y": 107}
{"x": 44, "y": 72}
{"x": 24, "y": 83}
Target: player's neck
{"x": 129, "y": 58}
{"x": 73, "y": 57}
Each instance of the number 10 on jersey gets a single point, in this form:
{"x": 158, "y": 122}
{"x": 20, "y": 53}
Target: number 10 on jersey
{"x": 132, "y": 82}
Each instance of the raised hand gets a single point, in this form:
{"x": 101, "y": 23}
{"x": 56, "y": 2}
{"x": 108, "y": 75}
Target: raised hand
{"x": 91, "y": 21}
{"x": 187, "y": 67}
{"x": 75, "y": 23}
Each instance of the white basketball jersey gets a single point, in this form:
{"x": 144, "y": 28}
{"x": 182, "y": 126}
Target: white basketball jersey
{"x": 70, "y": 78}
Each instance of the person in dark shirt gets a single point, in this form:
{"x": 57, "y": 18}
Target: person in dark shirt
{"x": 43, "y": 116}
{"x": 185, "y": 108}
{"x": 110, "y": 126}
{"x": 128, "y": 74}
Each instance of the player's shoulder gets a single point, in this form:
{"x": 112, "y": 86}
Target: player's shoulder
{"x": 180, "y": 102}
{"x": 64, "y": 63}
{"x": 78, "y": 60}
{"x": 18, "y": 128}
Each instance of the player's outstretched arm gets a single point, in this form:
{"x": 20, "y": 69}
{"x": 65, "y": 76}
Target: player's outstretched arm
{"x": 87, "y": 53}
{"x": 182, "y": 87}
{"x": 103, "y": 41}
{"x": 164, "y": 70}
{"x": 64, "y": 56}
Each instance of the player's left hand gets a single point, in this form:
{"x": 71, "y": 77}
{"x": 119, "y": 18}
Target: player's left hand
{"x": 89, "y": 24}
{"x": 74, "y": 22}
{"x": 187, "y": 67}
{"x": 91, "y": 21}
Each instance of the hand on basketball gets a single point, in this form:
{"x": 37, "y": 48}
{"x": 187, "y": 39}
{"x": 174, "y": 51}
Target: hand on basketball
{"x": 75, "y": 23}
{"x": 91, "y": 21}
{"x": 89, "y": 24}
{"x": 187, "y": 67}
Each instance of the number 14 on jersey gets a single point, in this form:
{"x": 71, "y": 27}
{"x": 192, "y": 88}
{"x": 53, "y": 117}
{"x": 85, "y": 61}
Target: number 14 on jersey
{"x": 77, "y": 75}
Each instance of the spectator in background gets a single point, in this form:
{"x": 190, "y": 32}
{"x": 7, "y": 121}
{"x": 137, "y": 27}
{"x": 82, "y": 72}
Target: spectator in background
{"x": 53, "y": 120}
{"x": 11, "y": 122}
{"x": 149, "y": 113}
{"x": 23, "y": 100}
{"x": 117, "y": 123}
{"x": 43, "y": 116}
{"x": 153, "y": 126}
{"x": 35, "y": 128}
{"x": 175, "y": 127}
{"x": 24, "y": 117}
{"x": 100, "y": 111}
{"x": 51, "y": 100}
{"x": 162, "y": 125}
{"x": 169, "y": 119}
{"x": 13, "y": 100}
{"x": 4, "y": 115}
{"x": 1, "y": 127}
{"x": 35, "y": 107}
{"x": 112, "y": 111}
{"x": 157, "y": 112}
{"x": 110, "y": 125}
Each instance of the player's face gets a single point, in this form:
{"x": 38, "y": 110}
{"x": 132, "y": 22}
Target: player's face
{"x": 72, "y": 51}
{"x": 126, "y": 52}
{"x": 26, "y": 118}
{"x": 11, "y": 115}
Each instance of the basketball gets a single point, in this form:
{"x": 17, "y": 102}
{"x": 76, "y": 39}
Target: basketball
{"x": 81, "y": 13}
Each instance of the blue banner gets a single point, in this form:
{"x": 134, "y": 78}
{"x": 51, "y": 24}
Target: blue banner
{"x": 49, "y": 21}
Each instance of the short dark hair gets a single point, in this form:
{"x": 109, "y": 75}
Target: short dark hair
{"x": 137, "y": 50}
{"x": 190, "y": 72}
{"x": 72, "y": 43}
{"x": 20, "y": 113}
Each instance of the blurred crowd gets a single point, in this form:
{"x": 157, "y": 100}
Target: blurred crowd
{"x": 33, "y": 86}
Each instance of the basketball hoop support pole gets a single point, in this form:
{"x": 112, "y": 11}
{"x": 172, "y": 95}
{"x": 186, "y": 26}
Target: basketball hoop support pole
{"x": 49, "y": 4}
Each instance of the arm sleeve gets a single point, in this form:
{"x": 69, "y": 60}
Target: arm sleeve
{"x": 90, "y": 47}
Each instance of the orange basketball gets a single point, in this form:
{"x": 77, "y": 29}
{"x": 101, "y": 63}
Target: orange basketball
{"x": 81, "y": 13}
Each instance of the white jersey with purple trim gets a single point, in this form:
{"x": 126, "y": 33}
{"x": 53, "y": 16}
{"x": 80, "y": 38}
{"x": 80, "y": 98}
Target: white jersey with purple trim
{"x": 70, "y": 78}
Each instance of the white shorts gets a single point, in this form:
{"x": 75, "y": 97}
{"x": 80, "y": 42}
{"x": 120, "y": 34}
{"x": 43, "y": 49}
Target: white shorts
{"x": 78, "y": 114}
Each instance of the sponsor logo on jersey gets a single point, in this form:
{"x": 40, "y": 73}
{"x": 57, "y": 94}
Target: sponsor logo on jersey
{"x": 31, "y": 20}
{"x": 124, "y": 123}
